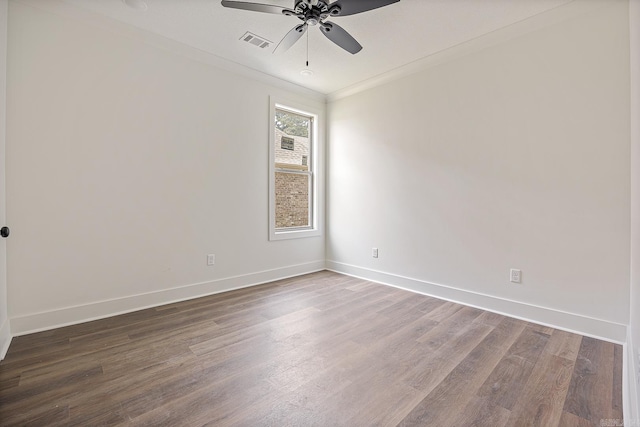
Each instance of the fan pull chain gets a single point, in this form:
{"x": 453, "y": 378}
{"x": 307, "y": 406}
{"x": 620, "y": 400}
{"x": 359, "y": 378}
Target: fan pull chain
{"x": 307, "y": 49}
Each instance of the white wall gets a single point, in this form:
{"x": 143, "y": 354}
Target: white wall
{"x": 634, "y": 329}
{"x": 128, "y": 163}
{"x": 515, "y": 156}
{"x": 5, "y": 333}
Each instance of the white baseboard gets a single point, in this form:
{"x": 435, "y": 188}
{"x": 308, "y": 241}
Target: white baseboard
{"x": 101, "y": 309}
{"x": 5, "y": 338}
{"x": 577, "y": 323}
{"x": 630, "y": 405}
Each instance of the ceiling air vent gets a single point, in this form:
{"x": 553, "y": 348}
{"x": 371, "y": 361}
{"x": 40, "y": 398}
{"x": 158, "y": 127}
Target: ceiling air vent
{"x": 256, "y": 40}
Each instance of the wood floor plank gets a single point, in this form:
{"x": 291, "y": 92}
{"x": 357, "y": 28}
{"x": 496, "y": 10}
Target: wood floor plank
{"x": 360, "y": 285}
{"x": 616, "y": 400}
{"x": 402, "y": 341}
{"x": 569, "y": 420}
{"x": 153, "y": 386}
{"x": 449, "y": 326}
{"x": 37, "y": 398}
{"x": 358, "y": 402}
{"x": 480, "y": 412}
{"x": 411, "y": 302}
{"x": 430, "y": 371}
{"x": 512, "y": 372}
{"x": 461, "y": 384}
{"x": 591, "y": 388}
{"x": 54, "y": 416}
{"x": 226, "y": 398}
{"x": 542, "y": 398}
{"x": 546, "y": 330}
{"x": 9, "y": 381}
{"x": 489, "y": 318}
{"x": 284, "y": 326}
{"x": 404, "y": 323}
{"x": 316, "y": 350}
{"x": 564, "y": 344}
{"x": 444, "y": 310}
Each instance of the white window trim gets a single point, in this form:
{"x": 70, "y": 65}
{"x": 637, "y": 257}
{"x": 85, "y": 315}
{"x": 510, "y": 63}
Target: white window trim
{"x": 317, "y": 165}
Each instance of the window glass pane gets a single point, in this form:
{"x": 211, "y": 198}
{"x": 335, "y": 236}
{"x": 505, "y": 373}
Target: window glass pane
{"x": 292, "y": 142}
{"x": 292, "y": 181}
{"x": 292, "y": 199}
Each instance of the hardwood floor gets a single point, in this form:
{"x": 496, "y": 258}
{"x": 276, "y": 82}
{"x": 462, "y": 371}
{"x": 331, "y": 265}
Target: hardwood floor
{"x": 318, "y": 350}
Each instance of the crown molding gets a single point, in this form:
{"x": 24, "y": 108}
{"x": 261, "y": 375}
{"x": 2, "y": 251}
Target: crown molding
{"x": 502, "y": 35}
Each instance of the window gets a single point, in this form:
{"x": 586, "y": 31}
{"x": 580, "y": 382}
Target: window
{"x": 293, "y": 179}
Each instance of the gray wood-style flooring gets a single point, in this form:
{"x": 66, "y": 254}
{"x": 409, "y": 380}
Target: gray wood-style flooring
{"x": 317, "y": 350}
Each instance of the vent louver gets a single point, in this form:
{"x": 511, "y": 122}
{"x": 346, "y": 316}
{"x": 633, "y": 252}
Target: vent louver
{"x": 255, "y": 40}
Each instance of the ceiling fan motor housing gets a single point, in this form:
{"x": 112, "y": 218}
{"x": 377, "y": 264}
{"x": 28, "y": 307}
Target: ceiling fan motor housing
{"x": 313, "y": 12}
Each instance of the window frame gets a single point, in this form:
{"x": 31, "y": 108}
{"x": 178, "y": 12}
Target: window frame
{"x": 315, "y": 162}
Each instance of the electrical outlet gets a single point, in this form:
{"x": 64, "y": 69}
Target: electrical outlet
{"x": 516, "y": 276}
{"x": 374, "y": 252}
{"x": 211, "y": 259}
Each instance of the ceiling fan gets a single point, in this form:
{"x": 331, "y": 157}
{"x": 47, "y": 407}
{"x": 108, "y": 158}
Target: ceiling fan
{"x": 315, "y": 12}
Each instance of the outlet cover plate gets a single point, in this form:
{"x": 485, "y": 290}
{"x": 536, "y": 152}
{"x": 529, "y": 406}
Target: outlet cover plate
{"x": 515, "y": 276}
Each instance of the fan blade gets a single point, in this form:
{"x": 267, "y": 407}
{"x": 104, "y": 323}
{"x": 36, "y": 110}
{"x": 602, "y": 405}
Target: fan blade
{"x": 339, "y": 36}
{"x": 291, "y": 38}
{"x": 351, "y": 7}
{"x": 255, "y": 7}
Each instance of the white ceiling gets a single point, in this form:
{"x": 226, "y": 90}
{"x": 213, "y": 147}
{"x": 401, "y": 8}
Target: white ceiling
{"x": 392, "y": 36}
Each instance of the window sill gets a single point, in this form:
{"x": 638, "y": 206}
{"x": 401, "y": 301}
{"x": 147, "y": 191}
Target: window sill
{"x": 294, "y": 234}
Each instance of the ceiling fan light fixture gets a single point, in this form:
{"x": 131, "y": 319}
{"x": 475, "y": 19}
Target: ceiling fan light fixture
{"x": 140, "y": 5}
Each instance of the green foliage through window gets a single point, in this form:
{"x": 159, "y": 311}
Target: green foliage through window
{"x": 292, "y": 124}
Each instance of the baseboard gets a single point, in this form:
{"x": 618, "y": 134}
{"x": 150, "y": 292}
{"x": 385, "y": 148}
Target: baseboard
{"x": 577, "y": 323}
{"x": 630, "y": 405}
{"x": 101, "y": 309}
{"x": 5, "y": 338}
